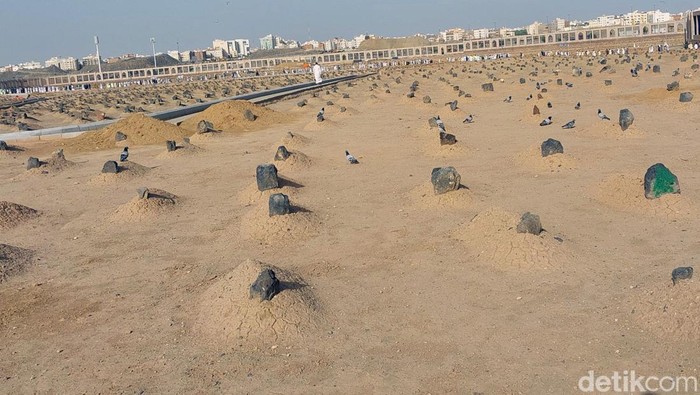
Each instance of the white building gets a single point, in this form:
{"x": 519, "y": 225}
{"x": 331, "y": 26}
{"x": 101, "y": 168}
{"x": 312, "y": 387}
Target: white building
{"x": 605, "y": 20}
{"x": 69, "y": 63}
{"x": 91, "y": 60}
{"x": 174, "y": 54}
{"x": 29, "y": 66}
{"x": 242, "y": 46}
{"x": 634, "y": 18}
{"x": 268, "y": 42}
{"x": 454, "y": 34}
{"x": 658, "y": 16}
{"x": 215, "y": 53}
{"x": 481, "y": 33}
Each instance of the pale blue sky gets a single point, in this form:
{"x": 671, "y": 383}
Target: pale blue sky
{"x": 40, "y": 29}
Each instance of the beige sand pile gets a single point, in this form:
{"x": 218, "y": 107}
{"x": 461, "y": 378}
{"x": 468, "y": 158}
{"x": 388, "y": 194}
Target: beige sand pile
{"x": 424, "y": 196}
{"x": 228, "y": 315}
{"x": 626, "y": 192}
{"x": 532, "y": 159}
{"x": 280, "y": 229}
{"x": 294, "y": 140}
{"x": 13, "y": 261}
{"x": 668, "y": 310}
{"x": 314, "y": 126}
{"x": 435, "y": 149}
{"x": 127, "y": 171}
{"x": 610, "y": 129}
{"x": 491, "y": 235}
{"x": 158, "y": 203}
{"x": 199, "y": 138}
{"x": 140, "y": 129}
{"x": 182, "y": 150}
{"x": 13, "y": 214}
{"x": 296, "y": 160}
{"x": 228, "y": 117}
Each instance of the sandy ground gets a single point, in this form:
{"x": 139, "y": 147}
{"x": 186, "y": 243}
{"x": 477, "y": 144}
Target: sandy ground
{"x": 388, "y": 288}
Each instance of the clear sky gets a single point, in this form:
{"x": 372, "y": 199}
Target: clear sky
{"x": 39, "y": 29}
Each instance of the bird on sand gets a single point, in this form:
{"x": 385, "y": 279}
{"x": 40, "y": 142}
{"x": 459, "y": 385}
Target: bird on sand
{"x": 602, "y": 116}
{"x": 577, "y": 106}
{"x": 350, "y": 158}
{"x": 569, "y": 125}
{"x": 546, "y": 122}
{"x": 319, "y": 116}
{"x": 469, "y": 119}
{"x": 508, "y": 99}
{"x": 124, "y": 155}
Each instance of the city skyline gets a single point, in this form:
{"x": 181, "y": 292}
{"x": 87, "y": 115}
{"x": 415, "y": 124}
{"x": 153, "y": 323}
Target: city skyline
{"x": 130, "y": 26}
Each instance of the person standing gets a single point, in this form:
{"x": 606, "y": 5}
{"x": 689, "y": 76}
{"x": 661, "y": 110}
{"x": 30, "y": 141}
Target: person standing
{"x": 317, "y": 73}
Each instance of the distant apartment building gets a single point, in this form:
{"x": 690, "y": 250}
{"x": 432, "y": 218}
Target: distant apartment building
{"x": 311, "y": 44}
{"x": 605, "y": 20}
{"x": 480, "y": 33}
{"x": 634, "y": 18}
{"x": 658, "y": 16}
{"x": 268, "y": 42}
{"x": 242, "y": 46}
{"x": 215, "y": 53}
{"x": 91, "y": 60}
{"x": 29, "y": 66}
{"x": 67, "y": 64}
{"x": 454, "y": 34}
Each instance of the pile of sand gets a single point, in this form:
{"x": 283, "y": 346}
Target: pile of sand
{"x": 435, "y": 149}
{"x": 492, "y": 236}
{"x": 532, "y": 159}
{"x": 296, "y": 160}
{"x": 140, "y": 129}
{"x": 251, "y": 195}
{"x": 13, "y": 260}
{"x": 182, "y": 150}
{"x": 609, "y": 129}
{"x": 327, "y": 124}
{"x": 12, "y": 214}
{"x": 228, "y": 315}
{"x": 424, "y": 196}
{"x": 294, "y": 140}
{"x": 625, "y": 192}
{"x": 668, "y": 310}
{"x": 127, "y": 171}
{"x": 158, "y": 203}
{"x": 228, "y": 117}
{"x": 297, "y": 226}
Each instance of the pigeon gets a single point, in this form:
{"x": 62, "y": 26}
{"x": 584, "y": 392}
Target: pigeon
{"x": 634, "y": 72}
{"x": 529, "y": 97}
{"x": 439, "y": 123}
{"x": 537, "y": 86}
{"x": 469, "y": 119}
{"x": 508, "y": 99}
{"x": 350, "y": 158}
{"x": 602, "y": 116}
{"x": 319, "y": 116}
{"x": 569, "y": 125}
{"x": 124, "y": 155}
{"x": 681, "y": 273}
{"x": 546, "y": 122}
{"x": 569, "y": 85}
{"x": 549, "y": 104}
{"x": 577, "y": 106}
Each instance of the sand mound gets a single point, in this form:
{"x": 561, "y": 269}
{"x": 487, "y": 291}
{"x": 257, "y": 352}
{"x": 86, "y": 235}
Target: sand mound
{"x": 12, "y": 214}
{"x": 127, "y": 171}
{"x": 665, "y": 309}
{"x": 294, "y": 140}
{"x": 182, "y": 150}
{"x": 280, "y": 229}
{"x": 296, "y": 160}
{"x": 13, "y": 261}
{"x": 140, "y": 129}
{"x": 625, "y": 192}
{"x": 532, "y": 160}
{"x": 228, "y": 117}
{"x": 314, "y": 125}
{"x": 251, "y": 195}
{"x": 433, "y": 148}
{"x": 199, "y": 138}
{"x": 424, "y": 196}
{"x": 158, "y": 203}
{"x": 227, "y": 314}
{"x": 492, "y": 236}
{"x": 609, "y": 129}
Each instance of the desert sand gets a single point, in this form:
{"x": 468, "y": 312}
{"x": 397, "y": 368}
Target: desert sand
{"x": 387, "y": 287}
